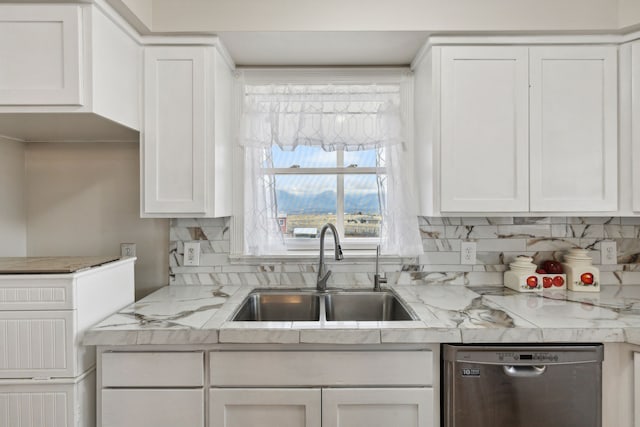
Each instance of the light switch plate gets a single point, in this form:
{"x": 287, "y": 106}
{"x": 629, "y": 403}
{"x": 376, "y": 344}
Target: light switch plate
{"x": 608, "y": 252}
{"x": 191, "y": 254}
{"x": 468, "y": 253}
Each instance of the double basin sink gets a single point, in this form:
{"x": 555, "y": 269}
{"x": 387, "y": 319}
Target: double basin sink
{"x": 332, "y": 306}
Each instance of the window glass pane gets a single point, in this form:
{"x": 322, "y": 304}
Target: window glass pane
{"x": 305, "y": 157}
{"x": 361, "y": 206}
{"x": 305, "y": 203}
{"x": 363, "y": 159}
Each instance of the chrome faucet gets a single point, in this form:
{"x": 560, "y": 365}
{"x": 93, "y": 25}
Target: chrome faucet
{"x": 377, "y": 280}
{"x": 323, "y": 276}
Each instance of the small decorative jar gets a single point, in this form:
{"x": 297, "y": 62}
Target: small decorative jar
{"x": 581, "y": 274}
{"x": 521, "y": 275}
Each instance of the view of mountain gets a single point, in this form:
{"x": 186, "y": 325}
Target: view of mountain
{"x": 325, "y": 202}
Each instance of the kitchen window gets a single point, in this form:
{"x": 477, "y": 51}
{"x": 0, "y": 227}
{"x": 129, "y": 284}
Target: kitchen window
{"x": 323, "y": 152}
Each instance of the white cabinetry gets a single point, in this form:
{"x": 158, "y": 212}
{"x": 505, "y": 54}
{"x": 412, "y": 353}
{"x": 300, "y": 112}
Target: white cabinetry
{"x": 265, "y": 386}
{"x": 484, "y": 136}
{"x": 69, "y": 72}
{"x": 635, "y": 125}
{"x": 186, "y": 144}
{"x": 519, "y": 129}
{"x": 47, "y": 376}
{"x": 265, "y": 407}
{"x": 365, "y": 407}
{"x": 41, "y": 49}
{"x": 398, "y": 388}
{"x": 573, "y": 135}
{"x": 636, "y": 388}
{"x": 151, "y": 389}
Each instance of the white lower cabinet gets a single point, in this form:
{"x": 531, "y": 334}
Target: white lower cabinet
{"x": 152, "y": 408}
{"x": 362, "y": 407}
{"x": 339, "y": 407}
{"x": 265, "y": 407}
{"x": 225, "y": 386}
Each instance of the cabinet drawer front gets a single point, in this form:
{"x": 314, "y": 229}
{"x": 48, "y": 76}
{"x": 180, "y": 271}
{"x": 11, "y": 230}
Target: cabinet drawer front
{"x": 166, "y": 369}
{"x": 152, "y": 408}
{"x": 318, "y": 368}
{"x": 40, "y": 55}
{"x": 36, "y": 344}
{"x": 21, "y": 293}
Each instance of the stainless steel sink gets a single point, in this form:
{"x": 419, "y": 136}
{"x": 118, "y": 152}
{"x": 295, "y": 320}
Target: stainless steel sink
{"x": 337, "y": 305}
{"x": 365, "y": 306}
{"x": 265, "y": 306}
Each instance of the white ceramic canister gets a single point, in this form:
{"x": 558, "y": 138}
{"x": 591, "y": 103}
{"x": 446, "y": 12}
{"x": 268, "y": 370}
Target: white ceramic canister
{"x": 521, "y": 275}
{"x": 581, "y": 274}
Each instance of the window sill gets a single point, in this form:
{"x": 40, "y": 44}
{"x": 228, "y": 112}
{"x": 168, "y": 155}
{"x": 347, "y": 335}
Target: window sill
{"x": 313, "y": 256}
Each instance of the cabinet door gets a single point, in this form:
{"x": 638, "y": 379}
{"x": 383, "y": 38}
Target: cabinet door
{"x": 484, "y": 129}
{"x": 635, "y": 125}
{"x": 152, "y": 408}
{"x": 40, "y": 55}
{"x": 398, "y": 407}
{"x": 636, "y": 389}
{"x": 265, "y": 407}
{"x": 573, "y": 128}
{"x": 174, "y": 135}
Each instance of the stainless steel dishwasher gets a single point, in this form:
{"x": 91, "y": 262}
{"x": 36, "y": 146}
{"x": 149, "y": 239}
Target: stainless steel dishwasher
{"x": 522, "y": 386}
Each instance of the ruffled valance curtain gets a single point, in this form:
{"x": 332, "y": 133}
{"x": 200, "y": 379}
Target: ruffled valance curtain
{"x": 334, "y": 117}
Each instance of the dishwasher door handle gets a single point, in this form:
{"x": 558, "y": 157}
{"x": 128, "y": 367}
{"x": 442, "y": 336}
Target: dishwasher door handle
{"x": 526, "y": 371}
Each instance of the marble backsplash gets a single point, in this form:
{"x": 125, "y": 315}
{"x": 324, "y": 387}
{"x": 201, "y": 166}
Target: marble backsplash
{"x": 498, "y": 241}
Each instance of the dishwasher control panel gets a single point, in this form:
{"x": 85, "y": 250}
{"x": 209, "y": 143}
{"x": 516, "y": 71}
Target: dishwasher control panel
{"x": 525, "y": 355}
{"x": 514, "y": 357}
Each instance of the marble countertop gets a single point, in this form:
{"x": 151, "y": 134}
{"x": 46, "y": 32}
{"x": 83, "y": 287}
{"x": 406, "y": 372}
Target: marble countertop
{"x": 447, "y": 313}
{"x": 51, "y": 265}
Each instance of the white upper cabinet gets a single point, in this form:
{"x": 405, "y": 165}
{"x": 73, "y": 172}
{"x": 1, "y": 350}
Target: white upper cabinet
{"x": 635, "y": 125}
{"x": 519, "y": 129}
{"x": 186, "y": 143}
{"x": 573, "y": 143}
{"x": 484, "y": 134}
{"x": 40, "y": 47}
{"x": 70, "y": 72}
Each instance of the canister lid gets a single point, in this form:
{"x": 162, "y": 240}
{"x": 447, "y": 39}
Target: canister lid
{"x": 577, "y": 255}
{"x": 523, "y": 263}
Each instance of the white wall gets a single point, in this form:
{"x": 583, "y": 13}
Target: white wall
{"x": 83, "y": 199}
{"x": 383, "y": 15}
{"x": 13, "y": 225}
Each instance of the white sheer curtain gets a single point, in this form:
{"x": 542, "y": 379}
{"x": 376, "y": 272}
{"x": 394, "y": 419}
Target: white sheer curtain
{"x": 345, "y": 117}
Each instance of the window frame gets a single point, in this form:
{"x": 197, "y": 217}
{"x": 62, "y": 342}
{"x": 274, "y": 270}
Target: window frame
{"x": 353, "y": 247}
{"x": 340, "y": 170}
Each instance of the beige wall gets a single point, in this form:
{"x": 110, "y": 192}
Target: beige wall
{"x": 83, "y": 199}
{"x": 629, "y": 13}
{"x": 384, "y": 15}
{"x": 13, "y": 226}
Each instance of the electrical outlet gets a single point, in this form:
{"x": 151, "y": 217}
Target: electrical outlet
{"x": 608, "y": 253}
{"x": 192, "y": 254}
{"x": 468, "y": 253}
{"x": 127, "y": 249}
